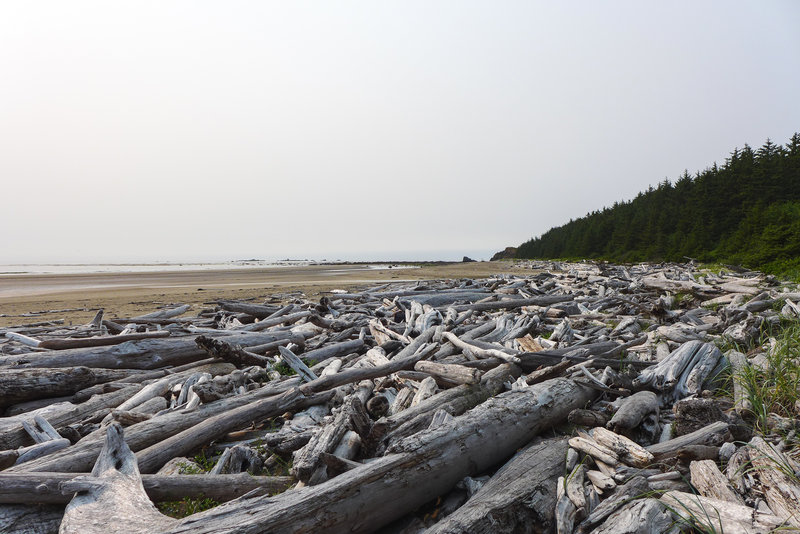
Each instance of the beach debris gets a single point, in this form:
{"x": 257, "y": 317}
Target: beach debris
{"x": 440, "y": 406}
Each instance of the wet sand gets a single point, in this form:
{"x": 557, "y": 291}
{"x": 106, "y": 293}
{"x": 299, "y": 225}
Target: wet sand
{"x": 130, "y": 294}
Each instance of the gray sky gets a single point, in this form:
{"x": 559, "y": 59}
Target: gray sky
{"x": 189, "y": 130}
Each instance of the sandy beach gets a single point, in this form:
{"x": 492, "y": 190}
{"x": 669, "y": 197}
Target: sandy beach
{"x": 76, "y": 297}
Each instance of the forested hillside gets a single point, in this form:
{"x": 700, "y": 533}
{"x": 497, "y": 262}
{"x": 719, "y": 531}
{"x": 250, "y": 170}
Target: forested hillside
{"x": 746, "y": 211}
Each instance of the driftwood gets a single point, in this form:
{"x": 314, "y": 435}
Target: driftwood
{"x": 46, "y": 488}
{"x": 366, "y": 496}
{"x": 720, "y": 516}
{"x": 114, "y": 495}
{"x": 399, "y": 412}
{"x": 520, "y": 495}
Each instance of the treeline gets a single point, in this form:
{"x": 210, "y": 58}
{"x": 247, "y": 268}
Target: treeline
{"x": 746, "y": 211}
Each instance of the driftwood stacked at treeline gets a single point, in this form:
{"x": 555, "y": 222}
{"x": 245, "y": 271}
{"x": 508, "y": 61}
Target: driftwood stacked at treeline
{"x": 447, "y": 406}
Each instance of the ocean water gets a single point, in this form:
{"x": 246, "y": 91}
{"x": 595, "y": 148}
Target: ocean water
{"x": 86, "y": 268}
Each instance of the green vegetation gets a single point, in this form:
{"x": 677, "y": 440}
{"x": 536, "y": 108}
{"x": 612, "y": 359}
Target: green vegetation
{"x": 186, "y": 506}
{"x": 775, "y": 389}
{"x": 745, "y": 212}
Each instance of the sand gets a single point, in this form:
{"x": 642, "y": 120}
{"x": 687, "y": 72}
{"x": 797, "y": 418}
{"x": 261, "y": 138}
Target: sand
{"x": 130, "y": 294}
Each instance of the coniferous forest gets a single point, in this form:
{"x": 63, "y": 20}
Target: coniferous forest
{"x": 745, "y": 212}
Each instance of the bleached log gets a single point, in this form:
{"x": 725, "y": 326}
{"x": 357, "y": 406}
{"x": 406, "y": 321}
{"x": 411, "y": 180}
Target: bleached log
{"x": 12, "y": 430}
{"x": 593, "y": 449}
{"x": 105, "y": 341}
{"x": 509, "y": 304}
{"x": 642, "y": 516}
{"x": 710, "y": 482}
{"x": 478, "y": 351}
{"x": 46, "y": 488}
{"x": 738, "y": 362}
{"x": 166, "y": 313}
{"x": 143, "y": 354}
{"x": 713, "y": 435}
{"x": 295, "y": 363}
{"x": 117, "y": 498}
{"x": 307, "y": 459}
{"x": 625, "y": 449}
{"x": 635, "y": 488}
{"x": 454, "y": 373}
{"x": 430, "y": 462}
{"x": 20, "y": 385}
{"x": 714, "y": 515}
{"x": 632, "y": 411}
{"x": 454, "y": 401}
{"x": 427, "y": 388}
{"x": 220, "y": 348}
{"x": 778, "y": 477}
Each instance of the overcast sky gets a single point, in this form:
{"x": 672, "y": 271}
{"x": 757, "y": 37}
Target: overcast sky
{"x": 190, "y": 130}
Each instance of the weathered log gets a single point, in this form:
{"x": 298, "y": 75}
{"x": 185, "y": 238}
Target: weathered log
{"x": 81, "y": 456}
{"x": 454, "y": 401}
{"x": 521, "y": 494}
{"x": 453, "y": 373}
{"x": 642, "y": 516}
{"x": 626, "y": 450}
{"x": 714, "y": 515}
{"x": 117, "y": 498}
{"x": 61, "y": 344}
{"x": 12, "y": 430}
{"x": 633, "y": 489}
{"x": 632, "y": 412}
{"x": 710, "y": 482}
{"x": 713, "y": 435}
{"x": 46, "y": 488}
{"x": 778, "y": 477}
{"x": 376, "y": 493}
{"x": 545, "y": 300}
{"x": 19, "y": 385}
{"x": 30, "y": 518}
{"x": 143, "y": 354}
{"x": 156, "y": 455}
{"x": 220, "y": 348}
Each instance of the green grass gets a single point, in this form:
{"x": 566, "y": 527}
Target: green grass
{"x": 186, "y": 506}
{"x": 776, "y": 389}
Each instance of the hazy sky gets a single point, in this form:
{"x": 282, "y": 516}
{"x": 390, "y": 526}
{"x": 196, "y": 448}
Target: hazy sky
{"x": 190, "y": 130}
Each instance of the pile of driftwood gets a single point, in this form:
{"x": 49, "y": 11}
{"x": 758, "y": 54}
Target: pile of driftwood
{"x": 576, "y": 398}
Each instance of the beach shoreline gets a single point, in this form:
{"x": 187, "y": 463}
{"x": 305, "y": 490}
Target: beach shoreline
{"x": 75, "y": 297}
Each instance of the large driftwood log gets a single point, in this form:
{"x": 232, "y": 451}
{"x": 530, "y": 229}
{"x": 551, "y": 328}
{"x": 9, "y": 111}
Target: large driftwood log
{"x": 61, "y": 344}
{"x": 520, "y": 497}
{"x": 46, "y": 488}
{"x": 117, "y": 498}
{"x": 144, "y": 354}
{"x": 19, "y": 385}
{"x": 713, "y": 515}
{"x": 415, "y": 471}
